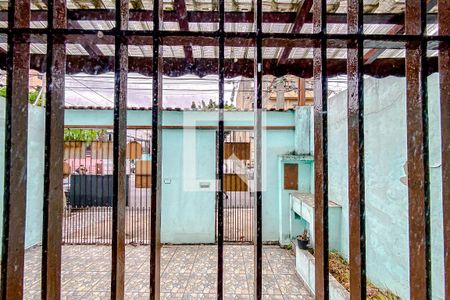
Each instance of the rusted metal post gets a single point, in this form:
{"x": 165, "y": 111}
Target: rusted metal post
{"x": 417, "y": 141}
{"x": 16, "y": 124}
{"x": 119, "y": 148}
{"x": 444, "y": 79}
{"x": 54, "y": 152}
{"x": 155, "y": 202}
{"x": 220, "y": 154}
{"x": 258, "y": 107}
{"x": 355, "y": 112}
{"x": 320, "y": 151}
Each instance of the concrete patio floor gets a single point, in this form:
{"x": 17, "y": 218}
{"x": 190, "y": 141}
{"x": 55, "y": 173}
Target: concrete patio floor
{"x": 187, "y": 272}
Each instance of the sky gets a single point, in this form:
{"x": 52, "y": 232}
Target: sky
{"x": 98, "y": 90}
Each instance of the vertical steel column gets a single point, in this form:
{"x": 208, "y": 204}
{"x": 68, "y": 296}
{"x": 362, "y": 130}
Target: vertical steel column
{"x": 355, "y": 111}
{"x": 119, "y": 150}
{"x": 258, "y": 107}
{"x": 155, "y": 202}
{"x": 220, "y": 141}
{"x": 444, "y": 78}
{"x": 54, "y": 152}
{"x": 320, "y": 150}
{"x": 417, "y": 140}
{"x": 16, "y": 124}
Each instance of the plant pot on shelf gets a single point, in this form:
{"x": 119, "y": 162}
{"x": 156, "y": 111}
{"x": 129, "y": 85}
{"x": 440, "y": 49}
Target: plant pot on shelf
{"x": 302, "y": 244}
{"x": 303, "y": 240}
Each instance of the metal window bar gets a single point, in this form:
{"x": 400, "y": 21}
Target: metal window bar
{"x": 320, "y": 150}
{"x": 220, "y": 159}
{"x": 20, "y": 35}
{"x": 54, "y": 154}
{"x": 417, "y": 149}
{"x": 119, "y": 151}
{"x": 155, "y": 202}
{"x": 258, "y": 186}
{"x": 16, "y": 121}
{"x": 444, "y": 74}
{"x": 355, "y": 114}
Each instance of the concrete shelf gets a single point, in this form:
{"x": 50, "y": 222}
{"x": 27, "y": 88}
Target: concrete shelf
{"x": 305, "y": 266}
{"x": 302, "y": 204}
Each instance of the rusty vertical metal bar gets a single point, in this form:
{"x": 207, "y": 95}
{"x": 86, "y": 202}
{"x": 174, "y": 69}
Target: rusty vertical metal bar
{"x": 54, "y": 152}
{"x": 16, "y": 124}
{"x": 355, "y": 112}
{"x": 258, "y": 107}
{"x": 220, "y": 158}
{"x": 320, "y": 151}
{"x": 155, "y": 200}
{"x": 444, "y": 79}
{"x": 417, "y": 145}
{"x": 119, "y": 150}
{"x": 301, "y": 92}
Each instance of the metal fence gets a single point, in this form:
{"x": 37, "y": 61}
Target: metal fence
{"x": 415, "y": 40}
{"x": 88, "y": 187}
{"x": 238, "y": 175}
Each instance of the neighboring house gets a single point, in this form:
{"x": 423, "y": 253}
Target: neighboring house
{"x": 284, "y": 93}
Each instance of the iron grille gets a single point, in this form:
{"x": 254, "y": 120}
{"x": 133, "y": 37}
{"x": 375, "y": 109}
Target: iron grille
{"x": 57, "y": 33}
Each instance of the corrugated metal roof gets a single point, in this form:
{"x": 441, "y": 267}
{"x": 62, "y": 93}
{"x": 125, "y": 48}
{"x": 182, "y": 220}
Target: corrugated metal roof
{"x": 333, "y": 6}
{"x": 80, "y": 91}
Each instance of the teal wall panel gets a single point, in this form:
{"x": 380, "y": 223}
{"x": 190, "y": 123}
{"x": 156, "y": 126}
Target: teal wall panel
{"x": 188, "y": 211}
{"x": 35, "y": 165}
{"x": 386, "y": 196}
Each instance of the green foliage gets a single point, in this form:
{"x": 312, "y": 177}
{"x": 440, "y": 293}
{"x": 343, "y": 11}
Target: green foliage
{"x": 83, "y": 135}
{"x": 210, "y": 106}
{"x": 32, "y": 96}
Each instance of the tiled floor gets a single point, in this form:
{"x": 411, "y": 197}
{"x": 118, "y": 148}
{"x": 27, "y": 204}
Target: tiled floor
{"x": 187, "y": 272}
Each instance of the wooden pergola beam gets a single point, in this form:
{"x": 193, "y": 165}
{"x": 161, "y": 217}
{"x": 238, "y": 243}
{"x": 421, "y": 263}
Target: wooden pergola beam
{"x": 183, "y": 22}
{"x": 373, "y": 54}
{"x": 209, "y": 40}
{"x": 175, "y": 67}
{"x": 213, "y": 16}
{"x": 300, "y": 19}
{"x": 91, "y": 48}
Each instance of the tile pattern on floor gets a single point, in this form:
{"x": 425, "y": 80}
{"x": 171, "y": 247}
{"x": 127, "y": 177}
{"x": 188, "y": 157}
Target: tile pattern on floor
{"x": 187, "y": 272}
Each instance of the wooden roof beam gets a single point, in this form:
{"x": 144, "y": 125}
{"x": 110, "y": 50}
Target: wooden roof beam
{"x": 91, "y": 48}
{"x": 300, "y": 19}
{"x": 373, "y": 54}
{"x": 213, "y": 16}
{"x": 175, "y": 67}
{"x": 183, "y": 22}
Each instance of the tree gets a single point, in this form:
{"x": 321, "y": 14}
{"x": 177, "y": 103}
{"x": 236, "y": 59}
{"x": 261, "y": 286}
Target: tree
{"x": 83, "y": 135}
{"x": 211, "y": 104}
{"x": 32, "y": 96}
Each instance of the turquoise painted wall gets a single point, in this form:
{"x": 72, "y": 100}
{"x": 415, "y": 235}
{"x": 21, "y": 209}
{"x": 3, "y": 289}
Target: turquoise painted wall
{"x": 386, "y": 196}
{"x": 276, "y": 143}
{"x": 188, "y": 211}
{"x": 305, "y": 166}
{"x": 189, "y": 159}
{"x": 35, "y": 179}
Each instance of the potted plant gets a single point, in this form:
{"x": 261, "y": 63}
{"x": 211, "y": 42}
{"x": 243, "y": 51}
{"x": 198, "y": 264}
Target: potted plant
{"x": 303, "y": 240}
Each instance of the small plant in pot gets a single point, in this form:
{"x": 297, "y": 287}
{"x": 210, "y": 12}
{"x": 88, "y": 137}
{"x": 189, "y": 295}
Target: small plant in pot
{"x": 303, "y": 240}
